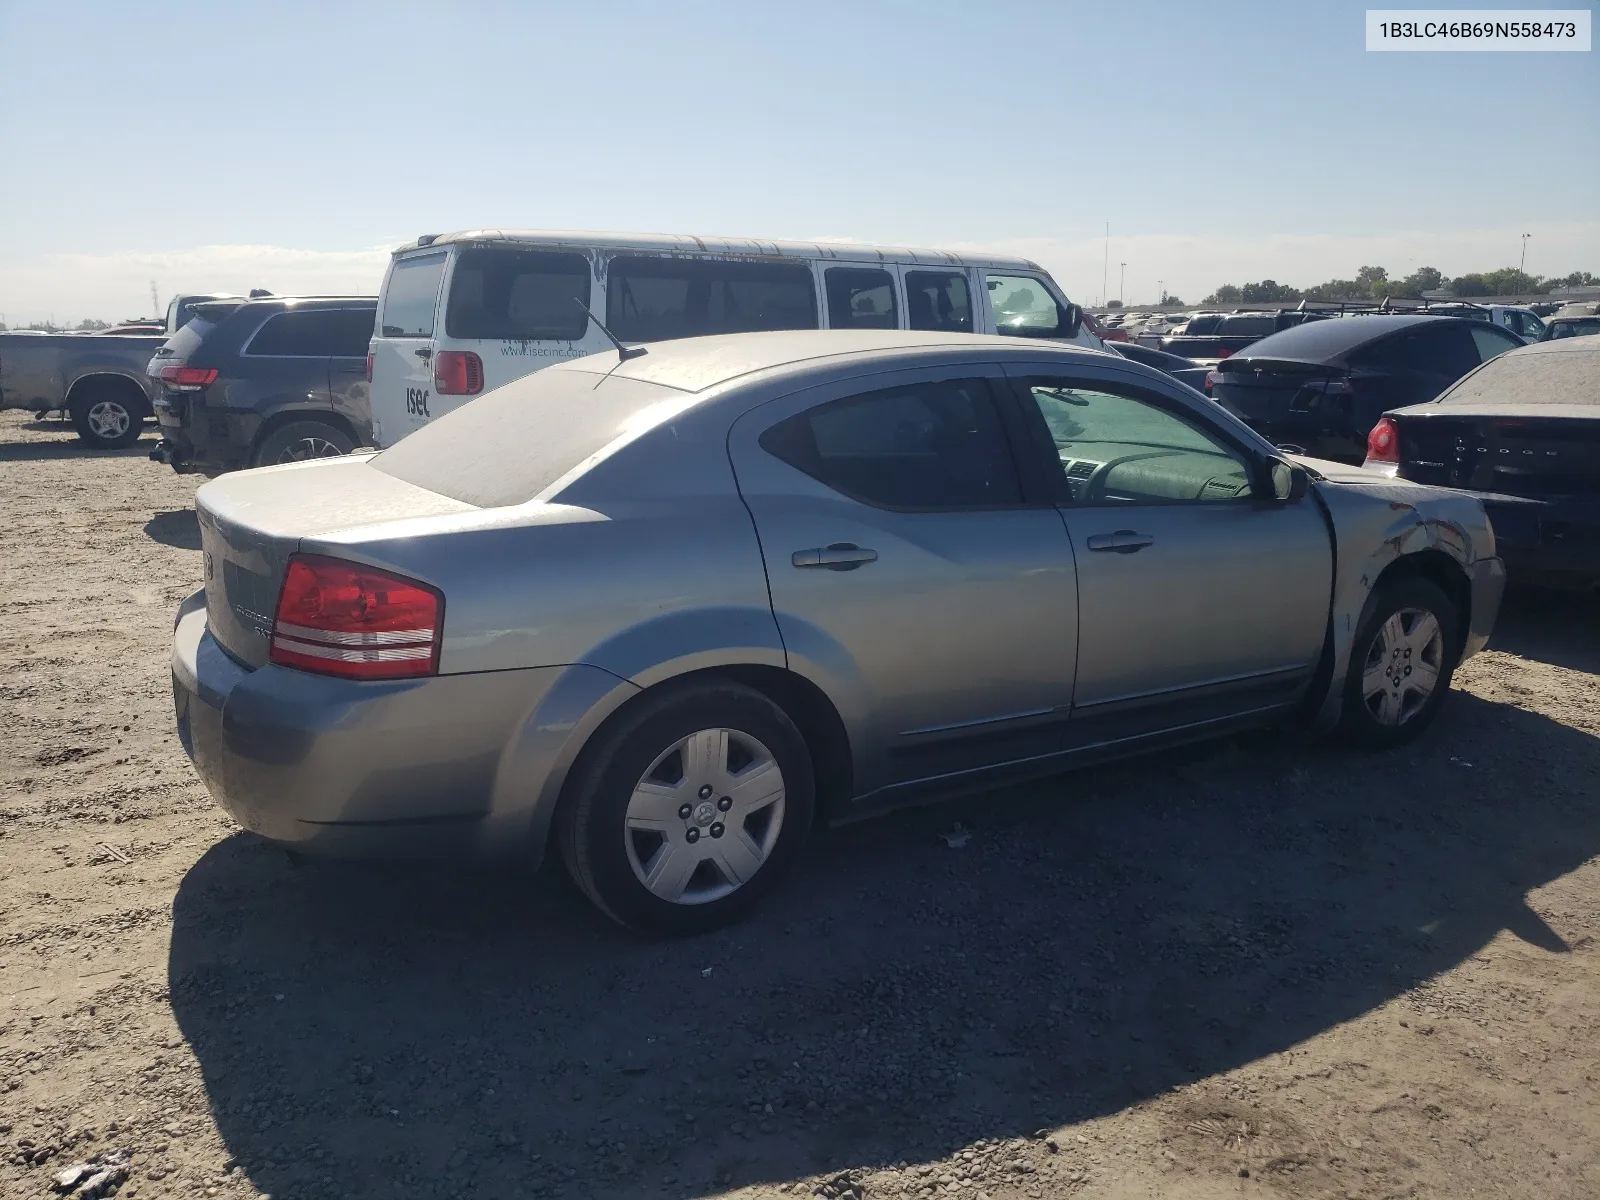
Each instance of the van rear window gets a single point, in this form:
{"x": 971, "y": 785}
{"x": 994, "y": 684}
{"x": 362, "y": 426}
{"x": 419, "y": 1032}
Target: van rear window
{"x": 411, "y": 296}
{"x": 518, "y": 294}
{"x": 653, "y": 299}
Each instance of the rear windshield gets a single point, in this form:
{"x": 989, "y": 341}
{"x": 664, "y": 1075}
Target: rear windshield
{"x": 1247, "y": 326}
{"x": 1536, "y": 377}
{"x": 412, "y": 295}
{"x": 509, "y": 445}
{"x": 187, "y": 340}
{"x": 1201, "y": 326}
{"x": 523, "y": 295}
{"x": 654, "y": 299}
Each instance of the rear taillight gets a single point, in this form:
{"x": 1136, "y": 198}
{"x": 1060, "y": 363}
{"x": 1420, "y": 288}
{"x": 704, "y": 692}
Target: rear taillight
{"x": 1223, "y": 352}
{"x": 1383, "y": 442}
{"x": 1212, "y": 379}
{"x": 457, "y": 373}
{"x": 188, "y": 379}
{"x": 369, "y": 366}
{"x": 341, "y": 618}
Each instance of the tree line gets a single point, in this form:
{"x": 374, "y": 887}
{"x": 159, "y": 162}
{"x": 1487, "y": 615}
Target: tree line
{"x": 1373, "y": 283}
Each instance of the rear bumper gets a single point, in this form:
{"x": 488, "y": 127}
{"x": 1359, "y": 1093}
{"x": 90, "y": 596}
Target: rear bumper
{"x": 1546, "y": 541}
{"x": 450, "y": 766}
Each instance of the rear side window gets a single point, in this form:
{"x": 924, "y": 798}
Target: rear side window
{"x": 1490, "y": 341}
{"x": 313, "y": 333}
{"x": 860, "y": 298}
{"x": 653, "y": 299}
{"x": 938, "y": 300}
{"x": 1443, "y": 349}
{"x": 1246, "y": 326}
{"x": 1204, "y": 326}
{"x": 530, "y": 295}
{"x": 412, "y": 295}
{"x": 930, "y": 446}
{"x": 1024, "y": 307}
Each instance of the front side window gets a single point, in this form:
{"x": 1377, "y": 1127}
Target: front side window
{"x": 520, "y": 295}
{"x": 653, "y": 299}
{"x": 1118, "y": 448}
{"x": 412, "y": 295}
{"x": 1024, "y": 307}
{"x": 926, "y": 446}
{"x": 938, "y": 300}
{"x": 860, "y": 298}
{"x": 1490, "y": 342}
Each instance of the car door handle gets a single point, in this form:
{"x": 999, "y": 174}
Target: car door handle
{"x": 423, "y": 352}
{"x": 1123, "y": 541}
{"x": 840, "y": 556}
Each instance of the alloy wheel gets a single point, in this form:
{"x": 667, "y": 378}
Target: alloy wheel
{"x": 307, "y": 448}
{"x": 108, "y": 420}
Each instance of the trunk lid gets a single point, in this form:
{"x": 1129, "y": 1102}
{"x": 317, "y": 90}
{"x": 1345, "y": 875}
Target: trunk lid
{"x": 252, "y": 521}
{"x": 1282, "y": 392}
{"x": 1545, "y": 453}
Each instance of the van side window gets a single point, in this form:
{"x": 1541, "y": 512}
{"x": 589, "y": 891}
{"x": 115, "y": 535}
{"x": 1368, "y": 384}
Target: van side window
{"x": 1024, "y": 307}
{"x": 521, "y": 295}
{"x": 938, "y": 300}
{"x": 653, "y": 299}
{"x": 860, "y": 298}
{"x": 412, "y": 295}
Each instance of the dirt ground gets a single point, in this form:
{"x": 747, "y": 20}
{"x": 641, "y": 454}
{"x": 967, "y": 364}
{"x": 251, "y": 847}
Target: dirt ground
{"x": 1254, "y": 969}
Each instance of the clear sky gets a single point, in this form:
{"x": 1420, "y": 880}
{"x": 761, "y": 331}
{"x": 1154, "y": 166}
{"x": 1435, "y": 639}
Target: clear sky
{"x": 218, "y": 145}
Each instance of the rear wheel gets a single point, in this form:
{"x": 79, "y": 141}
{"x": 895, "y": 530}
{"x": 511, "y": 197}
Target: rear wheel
{"x": 1400, "y": 665}
{"x": 108, "y": 415}
{"x": 688, "y": 809}
{"x": 301, "y": 440}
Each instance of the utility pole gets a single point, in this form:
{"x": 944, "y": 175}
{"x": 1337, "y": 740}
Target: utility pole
{"x": 1163, "y": 288}
{"x": 1105, "y": 269}
{"x": 155, "y": 301}
{"x": 1521, "y": 270}
{"x": 1122, "y": 284}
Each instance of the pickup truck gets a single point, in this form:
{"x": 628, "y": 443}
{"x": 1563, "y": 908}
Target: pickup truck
{"x": 1214, "y": 336}
{"x": 99, "y": 381}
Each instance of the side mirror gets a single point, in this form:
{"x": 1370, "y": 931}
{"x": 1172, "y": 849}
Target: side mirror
{"x": 1289, "y": 482}
{"x": 1074, "y": 319}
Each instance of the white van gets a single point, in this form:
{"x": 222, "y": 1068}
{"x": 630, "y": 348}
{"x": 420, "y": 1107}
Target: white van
{"x": 463, "y": 313}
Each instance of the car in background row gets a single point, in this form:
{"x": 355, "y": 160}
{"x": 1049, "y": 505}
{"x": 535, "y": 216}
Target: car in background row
{"x": 1186, "y": 370}
{"x": 464, "y": 313}
{"x": 1521, "y": 321}
{"x": 1215, "y": 336}
{"x": 98, "y": 381}
{"x": 1522, "y": 433}
{"x": 732, "y": 584}
{"x": 1569, "y": 327}
{"x": 245, "y": 383}
{"x": 1323, "y": 385}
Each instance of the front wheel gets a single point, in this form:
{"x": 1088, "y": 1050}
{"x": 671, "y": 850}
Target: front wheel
{"x": 301, "y": 440}
{"x": 688, "y": 809}
{"x": 1400, "y": 665}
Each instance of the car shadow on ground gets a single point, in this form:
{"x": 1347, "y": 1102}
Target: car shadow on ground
{"x": 1072, "y": 948}
{"x": 1559, "y": 628}
{"x": 175, "y": 527}
{"x": 70, "y": 445}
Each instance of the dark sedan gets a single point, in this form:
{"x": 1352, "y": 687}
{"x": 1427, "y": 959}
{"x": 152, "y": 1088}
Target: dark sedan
{"x": 1185, "y": 370}
{"x": 1323, "y": 385}
{"x": 1523, "y": 434}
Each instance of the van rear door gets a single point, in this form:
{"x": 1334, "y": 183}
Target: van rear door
{"x": 403, "y": 345}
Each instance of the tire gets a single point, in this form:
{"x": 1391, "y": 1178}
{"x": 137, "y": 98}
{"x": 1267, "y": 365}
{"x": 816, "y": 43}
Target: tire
{"x": 656, "y": 766}
{"x": 299, "y": 441}
{"x": 108, "y": 416}
{"x": 1386, "y": 702}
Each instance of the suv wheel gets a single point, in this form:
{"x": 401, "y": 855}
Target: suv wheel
{"x": 301, "y": 440}
{"x": 689, "y": 809}
{"x": 1400, "y": 665}
{"x": 107, "y": 416}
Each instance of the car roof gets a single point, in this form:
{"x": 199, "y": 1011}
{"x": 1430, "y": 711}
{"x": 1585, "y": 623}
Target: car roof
{"x": 308, "y": 301}
{"x": 1324, "y": 341}
{"x": 696, "y": 364}
{"x": 674, "y": 243}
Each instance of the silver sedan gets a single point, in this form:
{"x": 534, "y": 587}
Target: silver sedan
{"x": 669, "y": 611}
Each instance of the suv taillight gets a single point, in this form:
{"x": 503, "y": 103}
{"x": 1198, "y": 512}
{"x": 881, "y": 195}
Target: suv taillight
{"x": 1383, "y": 442}
{"x": 341, "y": 618}
{"x": 457, "y": 373}
{"x": 188, "y": 379}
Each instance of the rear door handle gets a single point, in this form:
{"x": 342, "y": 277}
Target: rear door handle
{"x": 840, "y": 556}
{"x": 423, "y": 352}
{"x": 1123, "y": 541}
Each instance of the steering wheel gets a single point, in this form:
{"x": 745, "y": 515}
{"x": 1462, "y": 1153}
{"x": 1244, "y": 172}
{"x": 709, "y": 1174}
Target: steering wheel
{"x": 1095, "y": 487}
